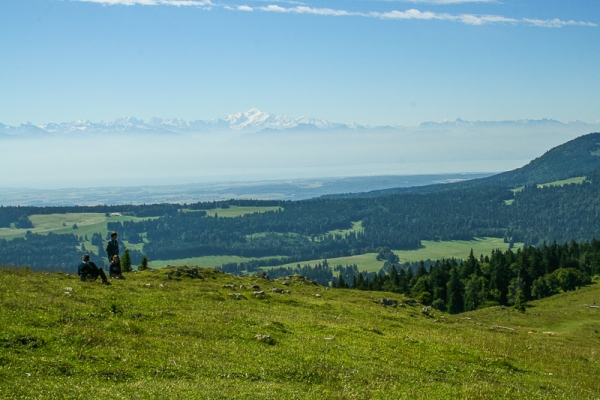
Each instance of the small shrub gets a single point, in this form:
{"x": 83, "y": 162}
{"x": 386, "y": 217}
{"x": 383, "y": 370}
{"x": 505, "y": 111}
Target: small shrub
{"x": 439, "y": 305}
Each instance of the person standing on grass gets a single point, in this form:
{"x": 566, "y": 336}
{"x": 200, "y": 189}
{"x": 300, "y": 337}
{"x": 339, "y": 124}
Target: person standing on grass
{"x": 89, "y": 271}
{"x": 112, "y": 248}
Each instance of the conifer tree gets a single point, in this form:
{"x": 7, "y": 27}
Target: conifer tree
{"x": 455, "y": 303}
{"x": 520, "y": 301}
{"x": 341, "y": 282}
{"x": 143, "y": 264}
{"x": 126, "y": 262}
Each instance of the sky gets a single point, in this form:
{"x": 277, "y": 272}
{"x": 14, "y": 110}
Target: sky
{"x": 366, "y": 61}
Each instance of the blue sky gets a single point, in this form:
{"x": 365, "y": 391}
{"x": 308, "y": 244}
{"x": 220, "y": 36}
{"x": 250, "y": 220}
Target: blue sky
{"x": 370, "y": 62}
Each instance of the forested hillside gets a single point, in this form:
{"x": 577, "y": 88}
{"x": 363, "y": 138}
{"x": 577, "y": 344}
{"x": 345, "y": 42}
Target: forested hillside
{"x": 324, "y": 227}
{"x": 502, "y": 278}
{"x": 575, "y": 158}
{"x": 302, "y": 230}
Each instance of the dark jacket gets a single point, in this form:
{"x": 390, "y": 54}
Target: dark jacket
{"x": 114, "y": 269}
{"x": 88, "y": 269}
{"x": 112, "y": 249}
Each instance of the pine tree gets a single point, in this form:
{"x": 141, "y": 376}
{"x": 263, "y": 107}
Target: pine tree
{"x": 126, "y": 262}
{"x": 520, "y": 301}
{"x": 341, "y": 282}
{"x": 455, "y": 303}
{"x": 143, "y": 264}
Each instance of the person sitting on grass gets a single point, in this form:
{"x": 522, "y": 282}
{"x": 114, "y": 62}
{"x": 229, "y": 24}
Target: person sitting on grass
{"x": 114, "y": 269}
{"x": 88, "y": 271}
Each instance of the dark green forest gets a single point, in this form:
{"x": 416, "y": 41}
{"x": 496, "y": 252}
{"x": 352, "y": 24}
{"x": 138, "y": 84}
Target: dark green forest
{"x": 511, "y": 206}
{"x": 502, "y": 278}
{"x": 300, "y": 230}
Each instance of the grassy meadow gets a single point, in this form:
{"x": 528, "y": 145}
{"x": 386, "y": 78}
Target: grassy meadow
{"x": 90, "y": 223}
{"x": 205, "y": 261}
{"x": 237, "y": 211}
{"x": 435, "y": 250}
{"x": 432, "y": 250}
{"x": 191, "y": 336}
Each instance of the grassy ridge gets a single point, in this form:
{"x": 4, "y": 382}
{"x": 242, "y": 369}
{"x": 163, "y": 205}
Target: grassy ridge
{"x": 151, "y": 337}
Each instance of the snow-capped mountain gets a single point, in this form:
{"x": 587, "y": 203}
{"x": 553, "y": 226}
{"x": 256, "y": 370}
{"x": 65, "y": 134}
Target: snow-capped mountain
{"x": 251, "y": 120}
{"x": 255, "y": 120}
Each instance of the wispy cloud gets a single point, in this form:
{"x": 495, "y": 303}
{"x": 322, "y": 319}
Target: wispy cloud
{"x": 411, "y": 14}
{"x": 447, "y": 1}
{"x": 469, "y": 19}
{"x": 178, "y": 3}
{"x": 308, "y": 10}
{"x": 556, "y": 23}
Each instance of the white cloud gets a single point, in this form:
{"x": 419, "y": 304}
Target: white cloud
{"x": 469, "y": 19}
{"x": 556, "y": 23}
{"x": 449, "y": 1}
{"x": 411, "y": 14}
{"x": 308, "y": 10}
{"x": 178, "y": 3}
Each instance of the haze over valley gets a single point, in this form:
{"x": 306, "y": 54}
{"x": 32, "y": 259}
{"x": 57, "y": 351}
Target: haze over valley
{"x": 258, "y": 146}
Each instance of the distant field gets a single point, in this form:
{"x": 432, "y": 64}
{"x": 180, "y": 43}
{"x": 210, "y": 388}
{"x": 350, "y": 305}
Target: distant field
{"x": 90, "y": 223}
{"x": 364, "y": 262}
{"x": 455, "y": 248}
{"x": 87, "y": 224}
{"x": 356, "y": 227}
{"x": 432, "y": 250}
{"x": 204, "y": 262}
{"x": 235, "y": 211}
{"x": 579, "y": 180}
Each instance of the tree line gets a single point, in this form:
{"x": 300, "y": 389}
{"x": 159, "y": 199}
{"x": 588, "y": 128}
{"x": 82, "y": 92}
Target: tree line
{"x": 502, "y": 278}
{"x": 306, "y": 230}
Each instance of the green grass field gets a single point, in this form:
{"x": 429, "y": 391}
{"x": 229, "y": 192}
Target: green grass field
{"x": 578, "y": 180}
{"x": 87, "y": 224}
{"x": 356, "y": 227}
{"x": 90, "y": 223}
{"x": 151, "y": 337}
{"x": 456, "y": 248}
{"x": 432, "y": 250}
{"x": 237, "y": 211}
{"x": 205, "y": 262}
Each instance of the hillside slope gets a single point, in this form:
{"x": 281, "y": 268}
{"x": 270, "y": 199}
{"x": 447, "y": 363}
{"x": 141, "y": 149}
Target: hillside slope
{"x": 577, "y": 157}
{"x": 191, "y": 336}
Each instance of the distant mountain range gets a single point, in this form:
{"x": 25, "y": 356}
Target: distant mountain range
{"x": 249, "y": 121}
